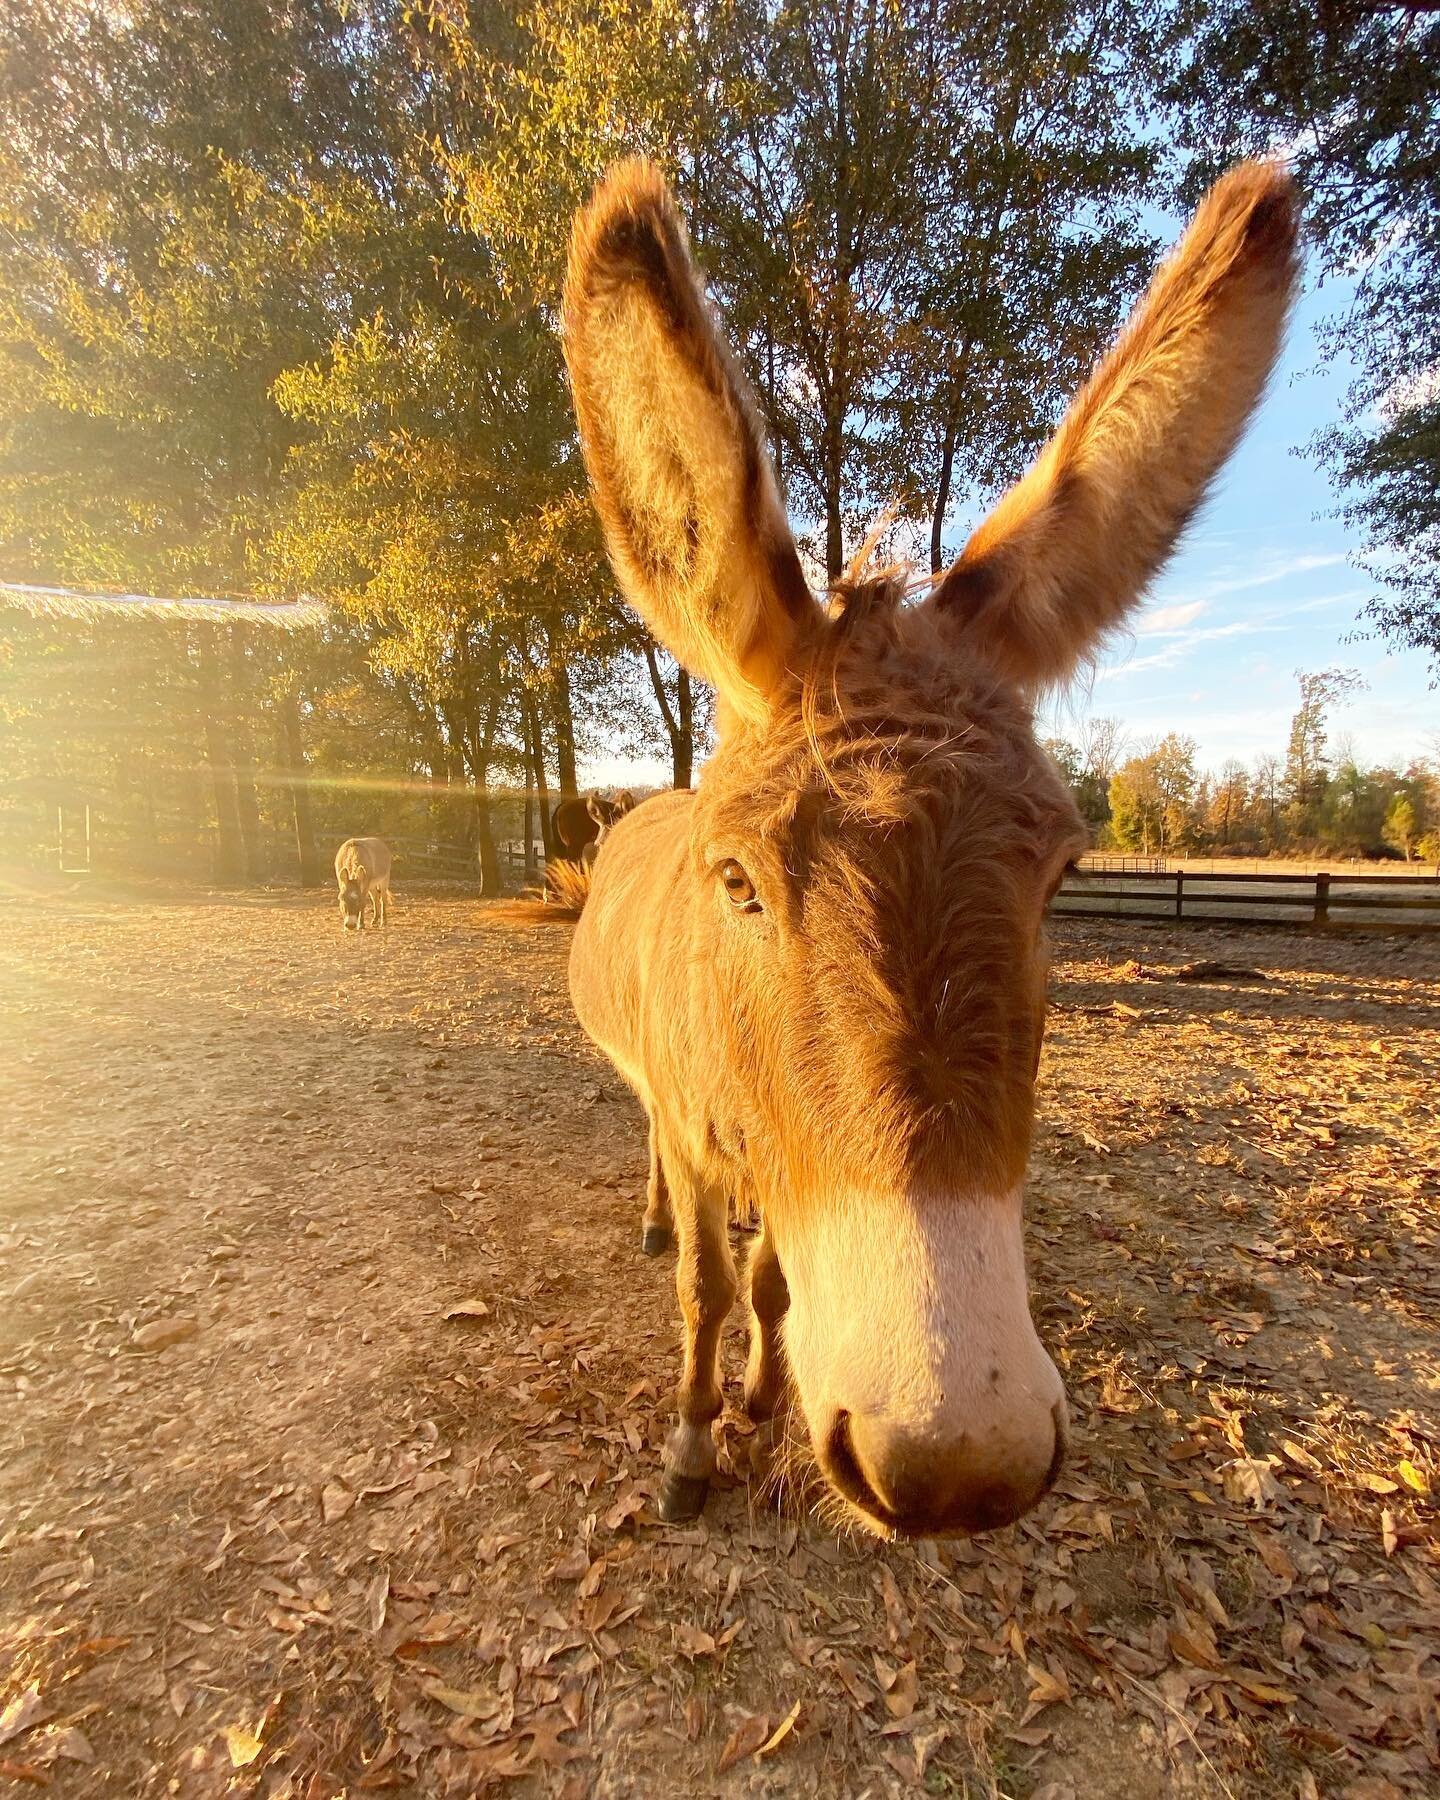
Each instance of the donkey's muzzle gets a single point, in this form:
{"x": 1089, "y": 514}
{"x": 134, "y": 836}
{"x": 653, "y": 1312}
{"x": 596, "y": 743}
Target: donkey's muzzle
{"x": 920, "y": 1485}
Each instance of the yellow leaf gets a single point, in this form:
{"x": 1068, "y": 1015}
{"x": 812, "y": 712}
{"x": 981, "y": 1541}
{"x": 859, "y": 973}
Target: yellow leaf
{"x": 243, "y": 1745}
{"x": 1413, "y": 1477}
{"x": 780, "y": 1733}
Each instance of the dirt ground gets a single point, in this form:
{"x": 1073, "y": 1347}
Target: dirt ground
{"x": 332, "y": 1387}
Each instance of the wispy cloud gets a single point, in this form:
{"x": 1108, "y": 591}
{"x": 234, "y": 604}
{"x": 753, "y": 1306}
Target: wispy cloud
{"x": 1157, "y": 621}
{"x": 1261, "y": 573}
{"x": 1180, "y": 646}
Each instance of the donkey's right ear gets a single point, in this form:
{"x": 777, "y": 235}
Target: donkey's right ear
{"x": 684, "y": 486}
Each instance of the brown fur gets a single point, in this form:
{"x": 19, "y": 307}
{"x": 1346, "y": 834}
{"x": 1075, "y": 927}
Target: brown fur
{"x": 854, "y": 1044}
{"x": 1072, "y": 547}
{"x": 362, "y": 872}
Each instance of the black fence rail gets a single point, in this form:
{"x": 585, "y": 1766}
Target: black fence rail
{"x": 1366, "y": 902}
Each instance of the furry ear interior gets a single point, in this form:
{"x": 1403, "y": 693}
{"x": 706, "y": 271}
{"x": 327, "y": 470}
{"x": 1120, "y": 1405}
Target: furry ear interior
{"x": 1072, "y": 546}
{"x": 693, "y": 518}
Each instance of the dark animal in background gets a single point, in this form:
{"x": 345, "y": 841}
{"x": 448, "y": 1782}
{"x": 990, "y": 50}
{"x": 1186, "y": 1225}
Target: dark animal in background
{"x": 577, "y": 823}
{"x": 362, "y": 870}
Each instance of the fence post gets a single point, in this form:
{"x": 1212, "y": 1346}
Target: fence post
{"x": 1322, "y": 900}
{"x": 1179, "y": 892}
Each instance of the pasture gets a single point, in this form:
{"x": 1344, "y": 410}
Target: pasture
{"x": 333, "y": 1388}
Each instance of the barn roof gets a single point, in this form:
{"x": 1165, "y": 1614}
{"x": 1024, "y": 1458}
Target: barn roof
{"x": 73, "y": 603}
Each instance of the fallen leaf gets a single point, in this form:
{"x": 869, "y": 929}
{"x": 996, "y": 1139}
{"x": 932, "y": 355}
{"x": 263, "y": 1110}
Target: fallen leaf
{"x": 1193, "y": 1649}
{"x": 467, "y": 1309}
{"x": 469, "y": 1703}
{"x": 1264, "y": 1691}
{"x": 377, "y": 1596}
{"x": 1301, "y": 1457}
{"x": 243, "y": 1744}
{"x": 1250, "y": 1480}
{"x": 901, "y": 1696}
{"x": 693, "y": 1642}
{"x": 25, "y": 1710}
{"x": 335, "y": 1502}
{"x": 1051, "y": 1687}
{"x": 781, "y": 1732}
{"x": 744, "y": 1740}
{"x": 160, "y": 1334}
{"x": 1413, "y": 1478}
{"x": 74, "y": 1744}
{"x": 1275, "y": 1557}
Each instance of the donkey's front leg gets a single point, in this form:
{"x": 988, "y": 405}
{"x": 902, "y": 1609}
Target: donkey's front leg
{"x": 705, "y": 1281}
{"x": 658, "y": 1231}
{"x": 769, "y": 1297}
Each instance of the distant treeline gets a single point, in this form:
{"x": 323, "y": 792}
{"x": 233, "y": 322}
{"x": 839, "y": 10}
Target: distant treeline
{"x": 1310, "y": 802}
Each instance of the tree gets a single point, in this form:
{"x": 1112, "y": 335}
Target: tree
{"x": 1228, "y": 801}
{"x": 1347, "y": 89}
{"x": 1401, "y": 825}
{"x": 1151, "y": 796}
{"x": 1429, "y": 849}
{"x": 902, "y": 208}
{"x": 1306, "y": 758}
{"x": 1265, "y": 787}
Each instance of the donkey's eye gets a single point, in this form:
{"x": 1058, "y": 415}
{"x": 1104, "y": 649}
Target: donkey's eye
{"x": 738, "y": 884}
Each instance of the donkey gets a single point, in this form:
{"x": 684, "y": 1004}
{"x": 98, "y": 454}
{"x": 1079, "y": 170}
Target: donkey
{"x": 578, "y": 823}
{"x": 362, "y": 871}
{"x": 606, "y": 815}
{"x": 824, "y": 972}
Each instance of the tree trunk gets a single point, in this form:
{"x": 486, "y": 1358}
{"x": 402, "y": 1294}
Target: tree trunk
{"x": 535, "y": 747}
{"x": 246, "y": 797}
{"x": 292, "y": 758}
{"x": 531, "y": 872}
{"x": 490, "y": 882}
{"x": 230, "y": 846}
{"x": 564, "y": 718}
{"x": 679, "y": 720}
{"x": 942, "y": 497}
{"x": 683, "y": 743}
{"x": 834, "y": 517}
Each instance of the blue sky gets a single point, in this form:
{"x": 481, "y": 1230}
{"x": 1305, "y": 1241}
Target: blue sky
{"x": 1262, "y": 586}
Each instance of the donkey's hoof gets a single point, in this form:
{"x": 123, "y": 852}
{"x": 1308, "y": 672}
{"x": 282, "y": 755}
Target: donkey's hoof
{"x": 682, "y": 1498}
{"x": 655, "y": 1240}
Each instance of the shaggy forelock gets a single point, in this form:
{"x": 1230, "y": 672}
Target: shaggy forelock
{"x": 875, "y": 731}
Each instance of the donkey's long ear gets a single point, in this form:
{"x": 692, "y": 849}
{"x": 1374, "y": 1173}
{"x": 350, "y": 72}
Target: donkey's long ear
{"x": 1069, "y": 550}
{"x": 685, "y": 490}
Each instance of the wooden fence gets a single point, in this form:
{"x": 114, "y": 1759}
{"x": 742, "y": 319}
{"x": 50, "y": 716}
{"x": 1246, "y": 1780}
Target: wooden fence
{"x": 1369, "y": 902}
{"x": 1124, "y": 865}
{"x": 456, "y": 862}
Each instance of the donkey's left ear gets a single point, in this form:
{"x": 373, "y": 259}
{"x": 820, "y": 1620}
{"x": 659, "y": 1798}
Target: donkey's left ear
{"x": 684, "y": 486}
{"x": 1070, "y": 549}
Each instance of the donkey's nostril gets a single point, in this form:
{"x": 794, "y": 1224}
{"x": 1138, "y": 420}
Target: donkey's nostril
{"x": 1059, "y": 1414}
{"x": 843, "y": 1467}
